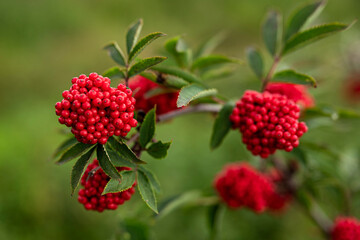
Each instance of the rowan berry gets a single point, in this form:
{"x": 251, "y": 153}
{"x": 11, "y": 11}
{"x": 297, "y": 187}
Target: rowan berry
{"x": 346, "y": 228}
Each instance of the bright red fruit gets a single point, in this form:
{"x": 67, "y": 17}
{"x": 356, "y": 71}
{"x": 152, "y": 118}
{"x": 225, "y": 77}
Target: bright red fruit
{"x": 94, "y": 182}
{"x": 298, "y": 93}
{"x": 91, "y": 104}
{"x": 142, "y": 88}
{"x": 346, "y": 229}
{"x": 267, "y": 122}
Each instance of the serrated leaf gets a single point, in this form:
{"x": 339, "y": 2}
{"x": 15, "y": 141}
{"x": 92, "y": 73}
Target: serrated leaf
{"x": 79, "y": 168}
{"x": 116, "y": 185}
{"x": 208, "y": 61}
{"x": 115, "y": 53}
{"x": 73, "y": 152}
{"x": 147, "y": 130}
{"x": 146, "y": 191}
{"x": 255, "y": 61}
{"x": 158, "y": 149}
{"x": 178, "y": 48}
{"x": 209, "y": 45}
{"x": 301, "y": 16}
{"x": 217, "y": 73}
{"x": 192, "y": 92}
{"x": 271, "y": 31}
{"x": 105, "y": 162}
{"x": 65, "y": 146}
{"x": 178, "y": 72}
{"x": 114, "y": 72}
{"x": 152, "y": 178}
{"x": 132, "y": 34}
{"x": 175, "y": 82}
{"x": 143, "y": 43}
{"x": 290, "y": 76}
{"x": 118, "y": 160}
{"x": 311, "y": 35}
{"x": 125, "y": 152}
{"x": 144, "y": 64}
{"x": 222, "y": 125}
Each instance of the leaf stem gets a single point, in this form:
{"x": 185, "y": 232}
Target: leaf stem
{"x": 268, "y": 77}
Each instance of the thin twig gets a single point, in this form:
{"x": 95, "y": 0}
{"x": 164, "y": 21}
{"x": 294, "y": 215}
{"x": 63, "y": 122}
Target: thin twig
{"x": 270, "y": 74}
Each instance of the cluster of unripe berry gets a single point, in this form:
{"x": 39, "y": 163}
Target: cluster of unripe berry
{"x": 346, "y": 229}
{"x": 165, "y": 102}
{"x": 94, "y": 181}
{"x": 239, "y": 185}
{"x": 95, "y": 111}
{"x": 267, "y": 122}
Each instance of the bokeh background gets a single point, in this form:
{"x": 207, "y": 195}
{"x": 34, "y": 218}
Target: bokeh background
{"x": 43, "y": 44}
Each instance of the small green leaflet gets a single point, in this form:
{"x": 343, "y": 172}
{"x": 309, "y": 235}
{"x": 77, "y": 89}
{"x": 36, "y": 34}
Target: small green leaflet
{"x": 114, "y": 72}
{"x": 115, "y": 185}
{"x": 73, "y": 152}
{"x": 158, "y": 149}
{"x": 152, "y": 178}
{"x": 79, "y": 168}
{"x": 125, "y": 152}
{"x": 178, "y": 48}
{"x": 192, "y": 92}
{"x": 147, "y": 129}
{"x": 136, "y": 50}
{"x": 105, "y": 162}
{"x": 255, "y": 61}
{"x": 222, "y": 125}
{"x": 211, "y": 60}
{"x": 144, "y": 64}
{"x": 117, "y": 160}
{"x": 271, "y": 31}
{"x": 209, "y": 45}
{"x": 178, "y": 72}
{"x": 220, "y": 72}
{"x": 311, "y": 35}
{"x": 132, "y": 34}
{"x": 146, "y": 191}
{"x": 290, "y": 76}
{"x": 115, "y": 53}
{"x": 66, "y": 145}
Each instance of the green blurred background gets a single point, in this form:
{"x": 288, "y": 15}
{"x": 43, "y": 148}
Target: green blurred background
{"x": 43, "y": 44}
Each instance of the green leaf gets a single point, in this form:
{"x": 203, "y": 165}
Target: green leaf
{"x": 114, "y": 72}
{"x": 143, "y": 43}
{"x": 178, "y": 48}
{"x": 159, "y": 149}
{"x": 271, "y": 31}
{"x": 215, "y": 214}
{"x": 146, "y": 191}
{"x": 116, "y": 185}
{"x": 125, "y": 152}
{"x": 222, "y": 125}
{"x": 73, "y": 152}
{"x": 300, "y": 155}
{"x": 118, "y": 160}
{"x": 65, "y": 146}
{"x": 209, "y": 45}
{"x": 144, "y": 64}
{"x": 219, "y": 72}
{"x": 290, "y": 76}
{"x": 301, "y": 16}
{"x": 175, "y": 82}
{"x": 255, "y": 61}
{"x": 105, "y": 162}
{"x": 152, "y": 178}
{"x": 311, "y": 35}
{"x": 115, "y": 53}
{"x": 149, "y": 75}
{"x": 178, "y": 72}
{"x": 147, "y": 129}
{"x": 192, "y": 92}
{"x": 132, "y": 34}
{"x": 211, "y": 60}
{"x": 133, "y": 229}
{"x": 79, "y": 168}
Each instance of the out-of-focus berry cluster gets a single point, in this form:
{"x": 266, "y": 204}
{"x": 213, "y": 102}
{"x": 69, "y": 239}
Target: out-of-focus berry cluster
{"x": 346, "y": 229}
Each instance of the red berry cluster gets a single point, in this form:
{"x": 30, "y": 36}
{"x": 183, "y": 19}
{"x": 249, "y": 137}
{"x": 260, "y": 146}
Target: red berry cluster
{"x": 164, "y": 102}
{"x": 298, "y": 93}
{"x": 267, "y": 122}
{"x": 94, "y": 184}
{"x": 282, "y": 196}
{"x": 239, "y": 185}
{"x": 346, "y": 229}
{"x": 95, "y": 111}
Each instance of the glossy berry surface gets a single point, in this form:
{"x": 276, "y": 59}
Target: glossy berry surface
{"x": 95, "y": 111}
{"x": 298, "y": 93}
{"x": 346, "y": 229}
{"x": 94, "y": 181}
{"x": 267, "y": 122}
{"x": 142, "y": 87}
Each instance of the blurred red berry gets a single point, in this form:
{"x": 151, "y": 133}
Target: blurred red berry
{"x": 346, "y": 228}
